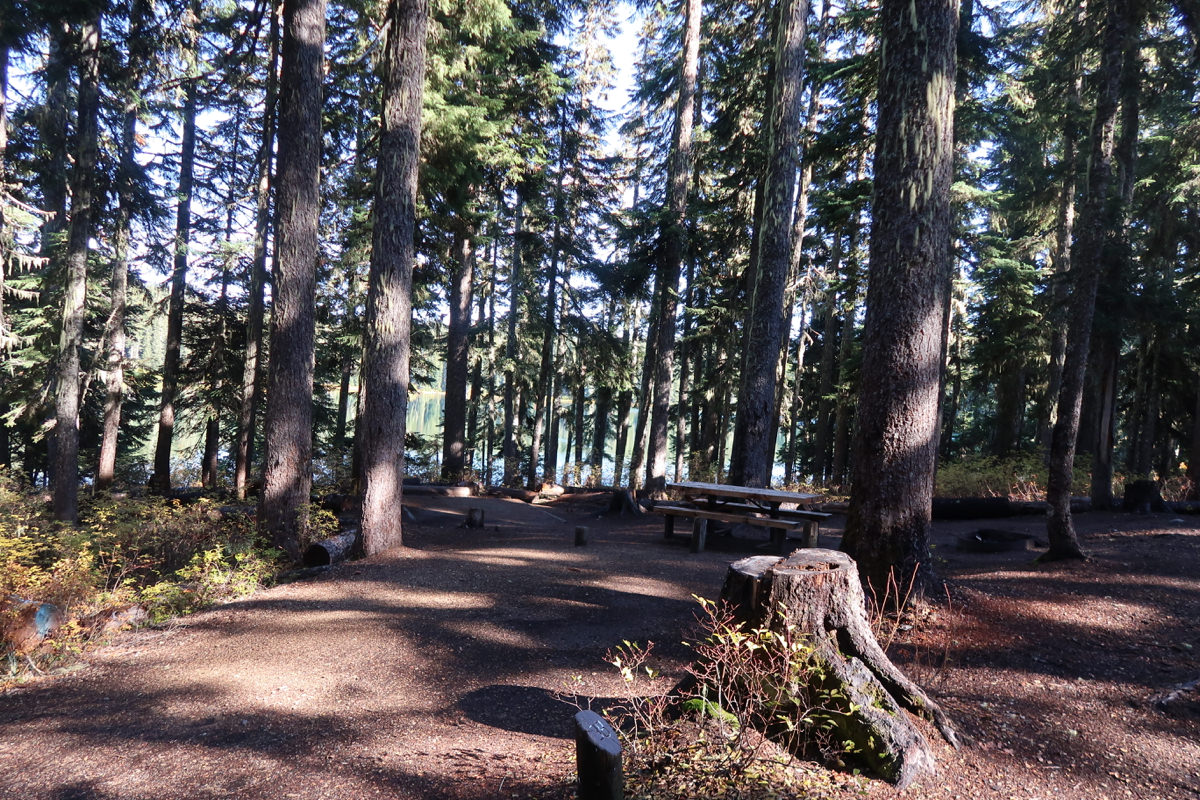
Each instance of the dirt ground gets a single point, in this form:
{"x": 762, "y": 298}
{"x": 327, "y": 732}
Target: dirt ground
{"x": 436, "y": 672}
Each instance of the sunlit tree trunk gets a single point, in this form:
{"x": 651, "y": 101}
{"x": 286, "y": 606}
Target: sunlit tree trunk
{"x": 895, "y": 443}
{"x": 287, "y": 472}
{"x": 753, "y": 446}
{"x": 389, "y": 296}
{"x": 161, "y": 478}
{"x": 114, "y": 329}
{"x": 67, "y": 399}
{"x": 1094, "y": 229}
{"x": 458, "y": 336}
{"x": 674, "y": 246}
{"x": 510, "y": 446}
{"x": 252, "y": 362}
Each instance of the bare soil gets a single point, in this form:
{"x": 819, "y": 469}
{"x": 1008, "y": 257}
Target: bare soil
{"x": 437, "y": 672}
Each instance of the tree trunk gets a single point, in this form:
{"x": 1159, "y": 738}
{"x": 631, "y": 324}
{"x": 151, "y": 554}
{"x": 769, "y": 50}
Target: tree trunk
{"x": 509, "y": 449}
{"x": 674, "y": 245}
{"x": 753, "y": 449}
{"x": 822, "y": 449}
{"x": 287, "y": 473}
{"x": 1193, "y": 462}
{"x": 895, "y": 445}
{"x": 545, "y": 405}
{"x": 161, "y": 478}
{"x": 638, "y": 458}
{"x": 854, "y": 688}
{"x": 458, "y": 355}
{"x": 67, "y": 399}
{"x": 1096, "y": 228}
{"x": 389, "y": 295}
{"x": 252, "y": 364}
{"x": 114, "y": 329}
{"x": 1063, "y": 231}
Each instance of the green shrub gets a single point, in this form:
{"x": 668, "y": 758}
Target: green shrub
{"x": 172, "y": 558}
{"x": 1021, "y": 476}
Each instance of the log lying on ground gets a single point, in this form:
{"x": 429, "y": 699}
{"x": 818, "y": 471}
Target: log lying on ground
{"x": 817, "y": 592}
{"x": 331, "y": 550}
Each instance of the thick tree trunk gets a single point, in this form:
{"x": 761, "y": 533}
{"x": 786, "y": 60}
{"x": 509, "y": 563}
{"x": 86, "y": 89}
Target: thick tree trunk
{"x": 1096, "y": 227}
{"x": 854, "y": 688}
{"x": 895, "y": 450}
{"x": 161, "y": 479}
{"x": 389, "y": 295}
{"x": 674, "y": 246}
{"x": 287, "y": 473}
{"x": 753, "y": 447}
{"x": 458, "y": 354}
{"x": 67, "y": 399}
{"x": 252, "y": 363}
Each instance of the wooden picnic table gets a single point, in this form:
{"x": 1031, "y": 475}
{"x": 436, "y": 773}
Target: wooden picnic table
{"x": 717, "y": 493}
{"x": 729, "y": 503}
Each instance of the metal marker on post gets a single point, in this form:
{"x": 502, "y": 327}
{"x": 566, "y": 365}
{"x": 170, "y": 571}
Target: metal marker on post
{"x": 598, "y": 758}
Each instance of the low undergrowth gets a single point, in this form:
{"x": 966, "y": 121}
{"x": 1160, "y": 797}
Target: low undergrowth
{"x": 154, "y": 556}
{"x": 734, "y": 728}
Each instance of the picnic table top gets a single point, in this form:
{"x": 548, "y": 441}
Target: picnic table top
{"x": 698, "y": 488}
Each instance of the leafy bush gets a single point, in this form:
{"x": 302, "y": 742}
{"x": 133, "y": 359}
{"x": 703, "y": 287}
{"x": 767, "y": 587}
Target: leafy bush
{"x": 1021, "y": 476}
{"x": 169, "y": 557}
{"x": 751, "y": 702}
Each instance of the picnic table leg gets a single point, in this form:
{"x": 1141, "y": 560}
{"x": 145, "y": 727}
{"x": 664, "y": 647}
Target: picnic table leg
{"x": 812, "y": 533}
{"x": 699, "y": 532}
{"x": 779, "y": 540}
{"x": 668, "y": 526}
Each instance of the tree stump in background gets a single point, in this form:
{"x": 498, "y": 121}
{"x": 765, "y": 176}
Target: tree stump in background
{"x": 817, "y": 593}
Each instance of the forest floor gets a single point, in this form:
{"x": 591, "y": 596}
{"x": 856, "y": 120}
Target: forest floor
{"x": 438, "y": 672}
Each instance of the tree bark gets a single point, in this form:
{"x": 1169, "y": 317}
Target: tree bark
{"x": 1096, "y": 227}
{"x": 887, "y": 528}
{"x": 252, "y": 364}
{"x": 674, "y": 245}
{"x": 822, "y": 447}
{"x": 67, "y": 399}
{"x": 510, "y": 447}
{"x": 753, "y": 448}
{"x": 458, "y": 336}
{"x": 389, "y": 295}
{"x": 114, "y": 329}
{"x": 161, "y": 479}
{"x": 287, "y": 473}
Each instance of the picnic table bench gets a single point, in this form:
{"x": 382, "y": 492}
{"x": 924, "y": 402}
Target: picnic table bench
{"x": 742, "y": 505}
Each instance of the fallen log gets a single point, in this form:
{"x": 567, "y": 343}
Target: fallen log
{"x": 862, "y": 694}
{"x": 331, "y": 550}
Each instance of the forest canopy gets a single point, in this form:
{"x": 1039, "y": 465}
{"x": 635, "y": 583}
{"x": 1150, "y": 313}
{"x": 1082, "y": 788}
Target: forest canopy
{"x": 605, "y": 290}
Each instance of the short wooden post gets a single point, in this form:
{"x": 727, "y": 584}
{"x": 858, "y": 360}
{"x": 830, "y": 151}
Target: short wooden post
{"x": 598, "y": 758}
{"x": 812, "y": 533}
{"x": 580, "y": 536}
{"x": 699, "y": 533}
{"x": 474, "y": 517}
{"x": 668, "y": 525}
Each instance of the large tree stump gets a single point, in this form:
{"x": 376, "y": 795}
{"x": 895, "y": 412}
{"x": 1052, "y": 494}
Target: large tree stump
{"x": 817, "y": 593}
